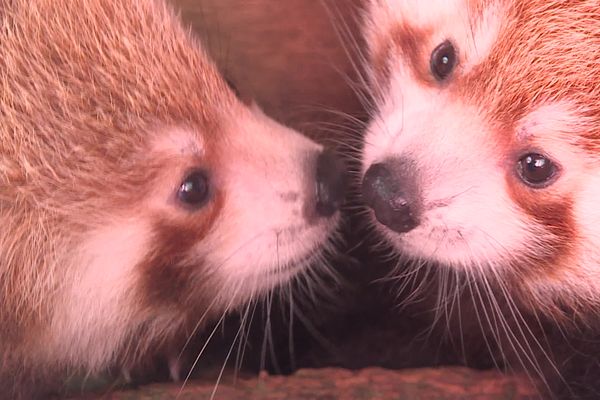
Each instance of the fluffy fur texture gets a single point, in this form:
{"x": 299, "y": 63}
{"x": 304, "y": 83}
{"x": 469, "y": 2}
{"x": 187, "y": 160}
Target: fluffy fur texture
{"x": 526, "y": 80}
{"x": 106, "y": 107}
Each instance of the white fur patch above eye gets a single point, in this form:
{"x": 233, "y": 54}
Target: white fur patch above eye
{"x": 179, "y": 141}
{"x": 550, "y": 120}
{"x": 419, "y": 13}
{"x": 556, "y": 129}
{"x": 481, "y": 35}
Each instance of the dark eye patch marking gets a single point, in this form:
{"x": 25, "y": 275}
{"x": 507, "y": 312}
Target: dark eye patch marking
{"x": 554, "y": 214}
{"x": 166, "y": 272}
{"x": 409, "y": 43}
{"x": 171, "y": 273}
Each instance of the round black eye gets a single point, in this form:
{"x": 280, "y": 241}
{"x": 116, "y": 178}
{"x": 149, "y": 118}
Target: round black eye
{"x": 194, "y": 190}
{"x": 443, "y": 60}
{"x": 536, "y": 170}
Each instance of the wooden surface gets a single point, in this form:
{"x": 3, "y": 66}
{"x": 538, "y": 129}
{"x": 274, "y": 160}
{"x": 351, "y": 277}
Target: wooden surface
{"x": 331, "y": 384}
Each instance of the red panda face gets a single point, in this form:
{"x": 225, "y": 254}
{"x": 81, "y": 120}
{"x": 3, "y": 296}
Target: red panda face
{"x": 483, "y": 150}
{"x": 222, "y": 221}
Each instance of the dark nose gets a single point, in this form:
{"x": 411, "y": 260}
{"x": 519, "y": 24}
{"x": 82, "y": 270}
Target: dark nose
{"x": 390, "y": 190}
{"x": 330, "y": 183}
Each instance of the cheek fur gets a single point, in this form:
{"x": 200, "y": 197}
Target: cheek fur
{"x": 551, "y": 250}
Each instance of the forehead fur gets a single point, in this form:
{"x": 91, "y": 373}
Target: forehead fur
{"x": 546, "y": 52}
{"x": 406, "y": 32}
{"x": 84, "y": 82}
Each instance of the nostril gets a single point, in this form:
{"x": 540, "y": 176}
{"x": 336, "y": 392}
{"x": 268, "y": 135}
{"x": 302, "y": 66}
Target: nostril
{"x": 330, "y": 183}
{"x": 388, "y": 191}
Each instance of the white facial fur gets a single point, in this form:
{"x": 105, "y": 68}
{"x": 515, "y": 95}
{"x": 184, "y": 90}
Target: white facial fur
{"x": 265, "y": 227}
{"x": 100, "y": 298}
{"x": 471, "y": 224}
{"x": 424, "y": 125}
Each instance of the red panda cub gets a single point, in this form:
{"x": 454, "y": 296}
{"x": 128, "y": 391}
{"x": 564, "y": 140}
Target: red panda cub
{"x": 138, "y": 195}
{"x": 483, "y": 155}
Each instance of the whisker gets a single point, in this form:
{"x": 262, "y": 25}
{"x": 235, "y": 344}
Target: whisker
{"x": 291, "y": 329}
{"x": 479, "y": 319}
{"x": 237, "y": 335}
{"x": 345, "y": 37}
{"x": 195, "y": 363}
{"x": 244, "y": 340}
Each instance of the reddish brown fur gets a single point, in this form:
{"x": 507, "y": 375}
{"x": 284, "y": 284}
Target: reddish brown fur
{"x": 538, "y": 59}
{"x": 47, "y": 182}
{"x": 83, "y": 87}
{"x": 168, "y": 277}
{"x": 559, "y": 248}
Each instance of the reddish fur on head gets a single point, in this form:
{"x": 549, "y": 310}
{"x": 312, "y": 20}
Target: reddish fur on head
{"x": 68, "y": 126}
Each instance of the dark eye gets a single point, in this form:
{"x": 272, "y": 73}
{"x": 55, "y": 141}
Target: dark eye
{"x": 443, "y": 60}
{"x": 194, "y": 190}
{"x": 536, "y": 170}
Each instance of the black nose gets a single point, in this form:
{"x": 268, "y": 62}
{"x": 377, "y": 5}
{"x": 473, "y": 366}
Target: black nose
{"x": 330, "y": 183}
{"x": 390, "y": 189}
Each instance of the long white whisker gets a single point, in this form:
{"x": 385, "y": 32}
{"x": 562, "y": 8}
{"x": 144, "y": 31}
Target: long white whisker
{"x": 195, "y": 363}
{"x": 237, "y": 335}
